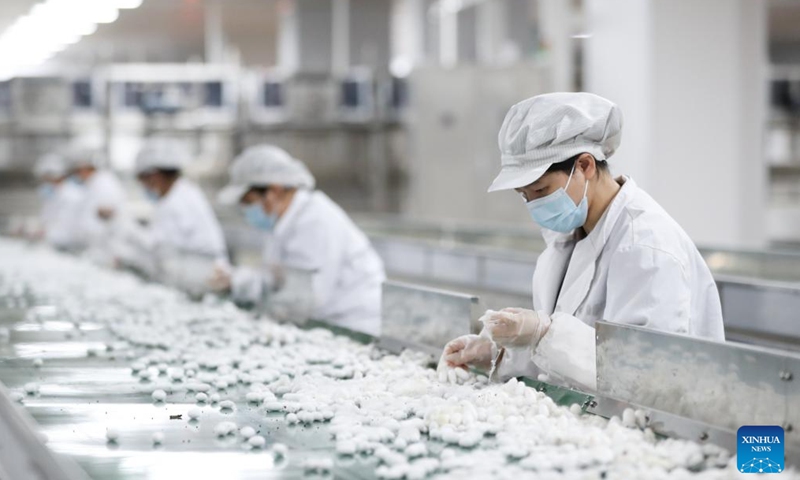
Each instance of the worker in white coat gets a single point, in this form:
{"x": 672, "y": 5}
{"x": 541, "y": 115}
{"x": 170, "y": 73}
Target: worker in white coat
{"x": 61, "y": 204}
{"x": 612, "y": 252}
{"x": 103, "y": 208}
{"x": 307, "y": 231}
{"x": 183, "y": 219}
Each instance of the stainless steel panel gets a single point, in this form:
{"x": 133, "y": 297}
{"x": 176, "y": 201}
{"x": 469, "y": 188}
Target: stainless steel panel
{"x": 413, "y": 315}
{"x": 723, "y": 384}
{"x": 763, "y": 308}
{"x": 23, "y": 456}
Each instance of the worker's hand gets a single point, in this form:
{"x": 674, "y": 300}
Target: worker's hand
{"x": 468, "y": 350}
{"x": 220, "y": 280}
{"x": 105, "y": 213}
{"x": 515, "y": 327}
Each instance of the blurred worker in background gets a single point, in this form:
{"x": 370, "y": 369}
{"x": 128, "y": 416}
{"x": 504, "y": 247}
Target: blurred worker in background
{"x": 102, "y": 211}
{"x": 183, "y": 220}
{"x": 61, "y": 204}
{"x": 612, "y": 252}
{"x": 307, "y": 231}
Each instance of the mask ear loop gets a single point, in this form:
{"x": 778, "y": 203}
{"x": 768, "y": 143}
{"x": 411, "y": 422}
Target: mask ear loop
{"x": 585, "y": 186}
{"x": 570, "y": 175}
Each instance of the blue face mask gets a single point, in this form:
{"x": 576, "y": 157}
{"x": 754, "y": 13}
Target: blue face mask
{"x": 46, "y": 191}
{"x": 151, "y": 195}
{"x": 558, "y": 211}
{"x": 255, "y": 216}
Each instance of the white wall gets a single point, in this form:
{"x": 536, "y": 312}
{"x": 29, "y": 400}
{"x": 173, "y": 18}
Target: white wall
{"x": 689, "y": 77}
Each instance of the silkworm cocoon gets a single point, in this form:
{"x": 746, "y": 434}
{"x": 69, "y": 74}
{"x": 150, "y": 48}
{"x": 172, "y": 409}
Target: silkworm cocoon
{"x": 224, "y": 428}
{"x": 257, "y": 441}
{"x": 416, "y": 450}
{"x": 629, "y": 418}
{"x": 280, "y": 450}
{"x": 346, "y": 447}
{"x": 112, "y": 435}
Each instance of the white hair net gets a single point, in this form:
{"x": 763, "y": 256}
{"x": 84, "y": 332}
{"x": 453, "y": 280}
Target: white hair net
{"x": 51, "y": 166}
{"x": 162, "y": 153}
{"x": 552, "y": 128}
{"x": 264, "y": 165}
{"x": 82, "y": 155}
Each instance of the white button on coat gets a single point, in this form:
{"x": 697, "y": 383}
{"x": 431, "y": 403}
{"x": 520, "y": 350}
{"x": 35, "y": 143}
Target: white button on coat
{"x": 637, "y": 267}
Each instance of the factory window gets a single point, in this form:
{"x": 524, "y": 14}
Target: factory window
{"x": 273, "y": 94}
{"x": 351, "y": 94}
{"x": 213, "y": 94}
{"x": 82, "y": 94}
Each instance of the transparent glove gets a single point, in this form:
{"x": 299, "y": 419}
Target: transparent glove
{"x": 468, "y": 350}
{"x": 220, "y": 280}
{"x": 515, "y": 327}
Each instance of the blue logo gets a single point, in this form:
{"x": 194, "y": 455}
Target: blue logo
{"x": 760, "y": 449}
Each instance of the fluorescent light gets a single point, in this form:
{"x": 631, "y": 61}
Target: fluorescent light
{"x": 51, "y": 26}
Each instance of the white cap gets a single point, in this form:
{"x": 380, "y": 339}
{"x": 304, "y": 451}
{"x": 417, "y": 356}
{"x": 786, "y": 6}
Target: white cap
{"x": 552, "y": 128}
{"x": 51, "y": 166}
{"x": 162, "y": 153}
{"x": 261, "y": 166}
{"x": 80, "y": 155}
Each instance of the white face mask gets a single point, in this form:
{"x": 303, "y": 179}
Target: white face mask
{"x": 558, "y": 211}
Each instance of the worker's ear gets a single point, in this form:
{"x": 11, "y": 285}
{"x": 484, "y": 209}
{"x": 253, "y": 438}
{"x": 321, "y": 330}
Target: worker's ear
{"x": 586, "y": 164}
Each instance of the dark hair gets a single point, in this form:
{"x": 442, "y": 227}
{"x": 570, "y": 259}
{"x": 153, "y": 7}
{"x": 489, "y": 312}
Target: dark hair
{"x": 259, "y": 189}
{"x": 171, "y": 173}
{"x": 566, "y": 165}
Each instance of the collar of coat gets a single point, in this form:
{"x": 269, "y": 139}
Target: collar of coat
{"x": 299, "y": 201}
{"x": 599, "y": 236}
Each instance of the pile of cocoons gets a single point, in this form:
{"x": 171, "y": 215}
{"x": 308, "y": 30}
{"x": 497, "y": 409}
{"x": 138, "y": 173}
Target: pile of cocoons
{"x": 417, "y": 422}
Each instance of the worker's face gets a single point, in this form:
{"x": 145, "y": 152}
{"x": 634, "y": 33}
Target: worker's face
{"x": 549, "y": 183}
{"x": 273, "y": 201}
{"x": 84, "y": 172}
{"x": 155, "y": 182}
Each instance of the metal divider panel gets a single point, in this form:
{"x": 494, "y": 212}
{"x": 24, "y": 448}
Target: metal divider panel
{"x": 722, "y": 384}
{"x": 415, "y": 316}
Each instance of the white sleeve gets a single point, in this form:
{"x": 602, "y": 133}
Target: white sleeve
{"x": 568, "y": 351}
{"x": 250, "y": 284}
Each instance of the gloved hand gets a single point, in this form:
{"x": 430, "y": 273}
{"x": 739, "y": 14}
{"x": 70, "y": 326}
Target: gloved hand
{"x": 221, "y": 279}
{"x": 515, "y": 327}
{"x": 468, "y": 350}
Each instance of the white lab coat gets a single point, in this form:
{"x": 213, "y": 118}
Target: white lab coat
{"x": 60, "y": 215}
{"x": 102, "y": 190}
{"x": 184, "y": 220}
{"x": 316, "y": 234}
{"x": 636, "y": 267}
